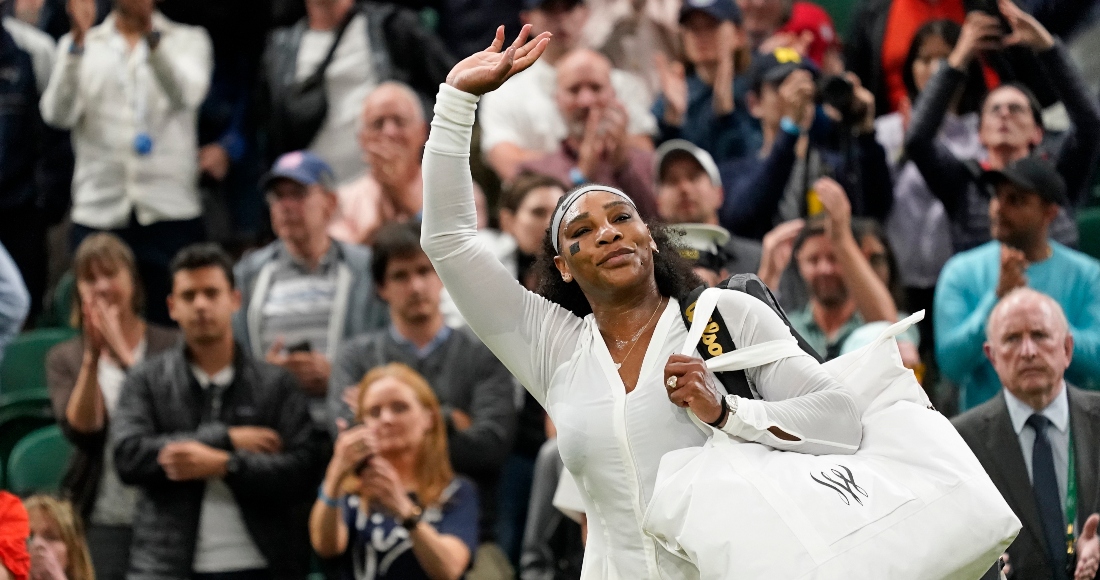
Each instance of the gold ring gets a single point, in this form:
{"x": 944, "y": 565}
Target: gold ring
{"x": 671, "y": 383}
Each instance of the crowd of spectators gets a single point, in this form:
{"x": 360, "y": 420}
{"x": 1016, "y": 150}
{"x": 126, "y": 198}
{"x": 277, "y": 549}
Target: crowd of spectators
{"x": 235, "y": 189}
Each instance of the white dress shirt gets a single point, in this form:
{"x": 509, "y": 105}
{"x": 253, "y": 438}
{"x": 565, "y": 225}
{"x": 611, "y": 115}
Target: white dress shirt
{"x": 109, "y": 95}
{"x": 39, "y": 45}
{"x": 1058, "y": 413}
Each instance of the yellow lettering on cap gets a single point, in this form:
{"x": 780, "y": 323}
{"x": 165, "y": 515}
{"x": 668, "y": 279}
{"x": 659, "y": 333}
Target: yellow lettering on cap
{"x": 786, "y": 54}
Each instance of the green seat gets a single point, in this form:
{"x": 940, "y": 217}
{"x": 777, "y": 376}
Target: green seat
{"x": 59, "y": 310}
{"x": 38, "y": 462}
{"x": 24, "y": 365}
{"x": 1088, "y": 223}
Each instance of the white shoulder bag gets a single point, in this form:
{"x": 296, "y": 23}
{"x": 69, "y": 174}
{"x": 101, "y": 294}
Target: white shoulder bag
{"x": 913, "y": 502}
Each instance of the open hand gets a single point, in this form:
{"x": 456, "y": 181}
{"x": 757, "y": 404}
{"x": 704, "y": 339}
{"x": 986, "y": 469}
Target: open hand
{"x": 776, "y": 251}
{"x": 1013, "y": 271}
{"x": 1026, "y": 30}
{"x": 980, "y": 32}
{"x": 45, "y": 564}
{"x": 485, "y": 71}
{"x": 837, "y": 208}
{"x": 674, "y": 88}
{"x": 110, "y": 327}
{"x": 1088, "y": 550}
{"x": 82, "y": 15}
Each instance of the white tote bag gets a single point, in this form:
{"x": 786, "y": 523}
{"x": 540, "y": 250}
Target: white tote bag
{"x": 913, "y": 502}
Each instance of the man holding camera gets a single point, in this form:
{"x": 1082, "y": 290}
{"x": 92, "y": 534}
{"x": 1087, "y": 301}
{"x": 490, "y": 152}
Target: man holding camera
{"x": 803, "y": 143}
{"x": 305, "y": 293}
{"x": 1011, "y": 125}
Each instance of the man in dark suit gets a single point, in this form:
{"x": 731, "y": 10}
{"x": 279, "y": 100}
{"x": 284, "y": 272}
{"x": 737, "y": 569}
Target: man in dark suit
{"x": 1040, "y": 441}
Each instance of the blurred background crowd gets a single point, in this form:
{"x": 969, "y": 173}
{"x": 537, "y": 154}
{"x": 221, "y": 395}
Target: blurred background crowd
{"x": 224, "y": 354}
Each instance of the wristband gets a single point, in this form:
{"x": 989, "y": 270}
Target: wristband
{"x": 325, "y": 498}
{"x": 788, "y": 126}
{"x": 717, "y": 424}
{"x": 577, "y": 177}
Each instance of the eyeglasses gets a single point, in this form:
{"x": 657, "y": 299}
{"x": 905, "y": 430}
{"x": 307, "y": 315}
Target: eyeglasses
{"x": 1012, "y": 108}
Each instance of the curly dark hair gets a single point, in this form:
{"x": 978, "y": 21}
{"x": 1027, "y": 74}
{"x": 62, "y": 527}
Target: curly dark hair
{"x": 674, "y": 275}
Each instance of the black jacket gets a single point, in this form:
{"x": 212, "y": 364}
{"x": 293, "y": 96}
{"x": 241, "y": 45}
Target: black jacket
{"x": 161, "y": 402}
{"x": 401, "y": 50}
{"x": 863, "y": 55}
{"x": 953, "y": 181}
{"x": 987, "y": 429}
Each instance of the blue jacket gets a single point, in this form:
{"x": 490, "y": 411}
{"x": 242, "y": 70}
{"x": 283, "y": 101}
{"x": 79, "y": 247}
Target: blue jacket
{"x": 966, "y": 295}
{"x": 364, "y": 311}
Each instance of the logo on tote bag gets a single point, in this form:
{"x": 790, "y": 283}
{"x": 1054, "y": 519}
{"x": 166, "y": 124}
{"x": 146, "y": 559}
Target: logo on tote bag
{"x": 844, "y": 484}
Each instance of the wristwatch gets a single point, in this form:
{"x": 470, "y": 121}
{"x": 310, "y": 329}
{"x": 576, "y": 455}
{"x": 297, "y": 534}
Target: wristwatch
{"x": 410, "y": 522}
{"x": 731, "y": 404}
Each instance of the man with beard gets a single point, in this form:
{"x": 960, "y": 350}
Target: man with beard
{"x": 477, "y": 393}
{"x": 845, "y": 292}
{"x": 597, "y": 148}
{"x": 1027, "y": 196}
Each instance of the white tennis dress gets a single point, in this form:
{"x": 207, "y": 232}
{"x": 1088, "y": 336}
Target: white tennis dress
{"x": 611, "y": 441}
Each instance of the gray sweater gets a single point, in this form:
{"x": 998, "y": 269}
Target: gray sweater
{"x": 465, "y": 376}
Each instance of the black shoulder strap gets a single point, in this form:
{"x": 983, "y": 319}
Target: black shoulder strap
{"x": 716, "y": 338}
{"x": 323, "y": 66}
{"x": 715, "y": 341}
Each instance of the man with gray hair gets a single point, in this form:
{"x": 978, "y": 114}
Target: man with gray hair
{"x": 304, "y": 294}
{"x": 597, "y": 147}
{"x": 391, "y": 137}
{"x": 1040, "y": 440}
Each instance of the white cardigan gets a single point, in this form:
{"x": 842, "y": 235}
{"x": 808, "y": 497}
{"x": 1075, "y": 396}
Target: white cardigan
{"x": 612, "y": 442}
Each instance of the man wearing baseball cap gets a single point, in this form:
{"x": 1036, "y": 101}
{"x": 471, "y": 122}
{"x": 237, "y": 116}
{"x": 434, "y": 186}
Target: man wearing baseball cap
{"x": 689, "y": 194}
{"x": 305, "y": 293}
{"x": 1025, "y": 198}
{"x": 707, "y": 107}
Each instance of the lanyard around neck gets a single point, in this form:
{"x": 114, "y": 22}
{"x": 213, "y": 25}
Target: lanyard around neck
{"x": 1071, "y": 498}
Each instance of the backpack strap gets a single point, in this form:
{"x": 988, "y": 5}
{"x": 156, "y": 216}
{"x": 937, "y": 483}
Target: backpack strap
{"x": 711, "y": 337}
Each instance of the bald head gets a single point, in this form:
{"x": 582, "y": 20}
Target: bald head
{"x": 1030, "y": 346}
{"x": 584, "y": 83}
{"x": 392, "y": 119}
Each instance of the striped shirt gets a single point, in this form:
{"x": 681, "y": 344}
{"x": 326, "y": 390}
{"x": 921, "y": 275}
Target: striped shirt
{"x": 299, "y": 303}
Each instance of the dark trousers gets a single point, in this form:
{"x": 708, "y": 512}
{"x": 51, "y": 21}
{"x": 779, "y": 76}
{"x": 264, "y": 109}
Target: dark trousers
{"x": 154, "y": 246}
{"x": 23, "y": 233}
{"x": 110, "y": 550}
{"x": 235, "y": 575}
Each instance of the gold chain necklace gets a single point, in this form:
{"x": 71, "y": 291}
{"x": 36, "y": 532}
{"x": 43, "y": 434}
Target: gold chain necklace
{"x": 637, "y": 335}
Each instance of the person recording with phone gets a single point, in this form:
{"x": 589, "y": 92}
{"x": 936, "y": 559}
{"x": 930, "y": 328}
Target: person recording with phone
{"x": 813, "y": 126}
{"x": 304, "y": 294}
{"x": 1010, "y": 125}
{"x": 389, "y": 498}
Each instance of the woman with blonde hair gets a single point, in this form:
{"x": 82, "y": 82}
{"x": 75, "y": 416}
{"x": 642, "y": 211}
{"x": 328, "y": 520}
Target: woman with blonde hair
{"x": 57, "y": 547}
{"x": 389, "y": 493}
{"x": 85, "y": 375}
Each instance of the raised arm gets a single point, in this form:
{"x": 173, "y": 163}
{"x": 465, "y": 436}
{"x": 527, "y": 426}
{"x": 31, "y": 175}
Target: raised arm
{"x": 529, "y": 334}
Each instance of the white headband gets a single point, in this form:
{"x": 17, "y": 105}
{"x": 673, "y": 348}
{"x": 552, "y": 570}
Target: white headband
{"x": 559, "y": 214}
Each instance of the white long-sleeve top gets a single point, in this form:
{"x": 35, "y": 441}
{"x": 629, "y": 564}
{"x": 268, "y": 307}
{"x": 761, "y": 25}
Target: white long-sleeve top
{"x": 611, "y": 441}
{"x": 111, "y": 93}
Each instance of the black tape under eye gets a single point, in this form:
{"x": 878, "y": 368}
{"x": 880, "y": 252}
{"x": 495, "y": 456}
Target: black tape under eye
{"x": 574, "y": 248}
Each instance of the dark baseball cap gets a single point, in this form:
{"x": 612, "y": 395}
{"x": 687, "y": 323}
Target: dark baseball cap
{"x": 1032, "y": 174}
{"x": 302, "y": 167}
{"x": 721, "y": 10}
{"x": 542, "y": 4}
{"x": 773, "y": 67}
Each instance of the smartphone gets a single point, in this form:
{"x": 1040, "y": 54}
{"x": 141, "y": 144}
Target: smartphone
{"x": 303, "y": 346}
{"x": 990, "y": 7}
